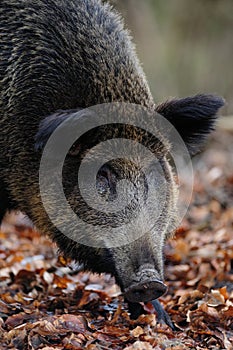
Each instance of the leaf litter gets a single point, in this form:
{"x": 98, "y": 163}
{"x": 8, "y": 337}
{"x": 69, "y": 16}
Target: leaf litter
{"x": 45, "y": 304}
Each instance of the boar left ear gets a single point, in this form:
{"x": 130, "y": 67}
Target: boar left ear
{"x": 193, "y": 117}
{"x": 49, "y": 124}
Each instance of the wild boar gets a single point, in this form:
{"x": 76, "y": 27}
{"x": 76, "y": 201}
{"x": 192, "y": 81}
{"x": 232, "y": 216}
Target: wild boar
{"x": 57, "y": 58}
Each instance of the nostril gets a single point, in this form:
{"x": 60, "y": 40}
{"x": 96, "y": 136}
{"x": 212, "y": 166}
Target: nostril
{"x": 138, "y": 293}
{"x": 158, "y": 293}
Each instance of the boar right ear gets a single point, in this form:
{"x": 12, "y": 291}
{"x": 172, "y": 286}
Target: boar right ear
{"x": 193, "y": 117}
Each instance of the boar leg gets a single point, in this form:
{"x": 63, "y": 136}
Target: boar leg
{"x": 162, "y": 315}
{"x": 136, "y": 309}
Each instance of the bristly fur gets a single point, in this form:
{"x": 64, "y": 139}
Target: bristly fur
{"x": 61, "y": 56}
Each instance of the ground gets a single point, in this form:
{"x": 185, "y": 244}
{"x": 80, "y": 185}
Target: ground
{"x": 46, "y": 305}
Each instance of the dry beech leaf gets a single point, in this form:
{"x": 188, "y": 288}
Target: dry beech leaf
{"x": 139, "y": 345}
{"x": 136, "y": 332}
{"x": 72, "y": 323}
{"x": 215, "y": 298}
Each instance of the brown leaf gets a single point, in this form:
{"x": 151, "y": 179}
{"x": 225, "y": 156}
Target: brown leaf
{"x": 139, "y": 345}
{"x": 136, "y": 332}
{"x": 73, "y": 323}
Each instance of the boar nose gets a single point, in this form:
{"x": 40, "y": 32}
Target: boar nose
{"x": 145, "y": 291}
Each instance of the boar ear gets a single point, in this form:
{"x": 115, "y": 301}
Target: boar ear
{"x": 193, "y": 117}
{"x": 48, "y": 126}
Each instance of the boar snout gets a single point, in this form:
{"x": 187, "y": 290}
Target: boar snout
{"x": 145, "y": 291}
{"x": 146, "y": 286}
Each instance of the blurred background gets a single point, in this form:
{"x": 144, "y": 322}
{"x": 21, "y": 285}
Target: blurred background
{"x": 185, "y": 46}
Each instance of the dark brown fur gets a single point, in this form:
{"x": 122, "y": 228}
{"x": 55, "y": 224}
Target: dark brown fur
{"x": 58, "y": 56}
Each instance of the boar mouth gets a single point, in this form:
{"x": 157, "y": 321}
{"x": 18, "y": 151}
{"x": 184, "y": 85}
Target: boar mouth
{"x": 145, "y": 291}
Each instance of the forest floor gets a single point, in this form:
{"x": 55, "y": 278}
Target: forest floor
{"x": 46, "y": 305}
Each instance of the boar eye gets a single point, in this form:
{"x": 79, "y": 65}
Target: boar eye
{"x": 102, "y": 185}
{"x": 106, "y": 183}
